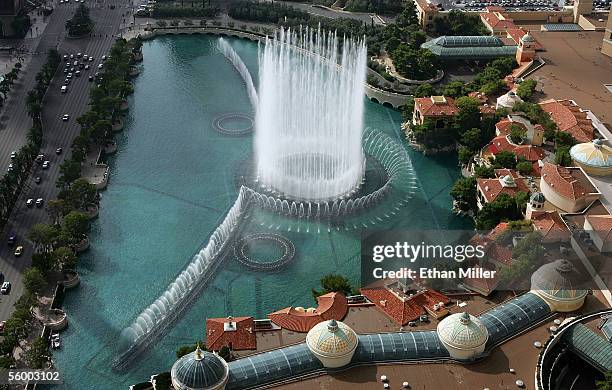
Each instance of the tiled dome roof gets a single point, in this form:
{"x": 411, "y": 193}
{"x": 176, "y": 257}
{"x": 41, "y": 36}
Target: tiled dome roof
{"x": 558, "y": 280}
{"x": 331, "y": 338}
{"x": 594, "y": 154}
{"x": 199, "y": 370}
{"x": 462, "y": 331}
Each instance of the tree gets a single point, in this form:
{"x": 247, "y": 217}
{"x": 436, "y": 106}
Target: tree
{"x": 484, "y": 172}
{"x": 76, "y": 225}
{"x": 64, "y": 258}
{"x": 38, "y": 354}
{"x": 185, "y": 349}
{"x": 563, "y": 157}
{"x": 503, "y": 208}
{"x": 80, "y": 23}
{"x": 70, "y": 171}
{"x": 524, "y": 167}
{"x": 464, "y": 154}
{"x": 424, "y": 90}
{"x": 468, "y": 115}
{"x": 464, "y": 193}
{"x": 526, "y": 89}
{"x": 472, "y": 139}
{"x": 408, "y": 16}
{"x": 605, "y": 384}
{"x": 333, "y": 283}
{"x": 34, "y": 281}
{"x": 43, "y": 236}
{"x": 517, "y": 133}
{"x": 455, "y": 89}
{"x": 564, "y": 139}
{"x": 504, "y": 159}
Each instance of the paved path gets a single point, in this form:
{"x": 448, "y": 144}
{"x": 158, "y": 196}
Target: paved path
{"x": 56, "y": 132}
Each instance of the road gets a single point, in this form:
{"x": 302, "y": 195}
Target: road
{"x": 56, "y": 133}
{"x": 333, "y": 14}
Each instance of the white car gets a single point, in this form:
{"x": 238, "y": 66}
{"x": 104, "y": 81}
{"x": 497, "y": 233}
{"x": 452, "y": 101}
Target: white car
{"x": 45, "y": 164}
{"x": 63, "y": 89}
{"x": 13, "y": 154}
{"x": 29, "y": 202}
{"x": 6, "y": 288}
{"x": 39, "y": 202}
{"x": 100, "y": 66}
{"x": 65, "y": 117}
{"x": 10, "y": 168}
{"x": 69, "y": 75}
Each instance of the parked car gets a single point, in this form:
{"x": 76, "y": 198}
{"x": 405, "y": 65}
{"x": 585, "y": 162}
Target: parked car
{"x": 13, "y": 154}
{"x": 39, "y": 158}
{"x": 2, "y": 325}
{"x": 77, "y": 73}
{"x": 30, "y": 202}
{"x": 86, "y": 67}
{"x": 10, "y": 167}
{"x": 69, "y": 75}
{"x": 100, "y": 66}
{"x": 18, "y": 251}
{"x": 67, "y": 81}
{"x": 91, "y": 58}
{"x": 79, "y": 55}
{"x": 39, "y": 202}
{"x": 11, "y": 240}
{"x": 6, "y": 288}
{"x": 65, "y": 57}
{"x": 90, "y": 78}
{"x": 45, "y": 165}
{"x": 63, "y": 89}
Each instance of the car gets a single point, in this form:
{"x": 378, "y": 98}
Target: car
{"x": 65, "y": 55}
{"x": 85, "y": 57}
{"x": 45, "y": 164}
{"x": 71, "y": 56}
{"x": 79, "y": 55}
{"x": 69, "y": 75}
{"x": 30, "y": 202}
{"x": 75, "y": 63}
{"x": 65, "y": 70}
{"x": 65, "y": 117}
{"x": 11, "y": 240}
{"x": 86, "y": 67}
{"x": 71, "y": 70}
{"x": 91, "y": 58}
{"x": 18, "y": 251}
{"x": 66, "y": 81}
{"x": 63, "y": 89}
{"x": 100, "y": 66}
{"x": 58, "y": 151}
{"x": 39, "y": 202}
{"x": 104, "y": 58}
{"x": 77, "y": 73}
{"x": 39, "y": 158}
{"x": 6, "y": 288}
{"x": 10, "y": 167}
{"x": 37, "y": 180}
{"x": 90, "y": 78}
{"x": 2, "y": 325}
{"x": 13, "y": 154}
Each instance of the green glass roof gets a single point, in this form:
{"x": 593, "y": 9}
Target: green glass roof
{"x": 590, "y": 346}
{"x": 469, "y": 47}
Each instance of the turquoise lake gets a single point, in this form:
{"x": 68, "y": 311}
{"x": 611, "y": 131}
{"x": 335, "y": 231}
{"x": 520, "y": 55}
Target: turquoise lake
{"x": 172, "y": 181}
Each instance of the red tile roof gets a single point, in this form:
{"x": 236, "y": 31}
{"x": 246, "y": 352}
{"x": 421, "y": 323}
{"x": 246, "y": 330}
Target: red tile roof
{"x": 240, "y": 336}
{"x": 516, "y": 33}
{"x": 492, "y": 188}
{"x": 482, "y": 286}
{"x": 401, "y": 308}
{"x": 503, "y": 126}
{"x": 428, "y": 108}
{"x": 529, "y": 152}
{"x": 498, "y": 144}
{"x": 569, "y": 118}
{"x": 331, "y": 306}
{"x": 551, "y": 226}
{"x": 602, "y": 224}
{"x": 565, "y": 181}
{"x": 495, "y": 22}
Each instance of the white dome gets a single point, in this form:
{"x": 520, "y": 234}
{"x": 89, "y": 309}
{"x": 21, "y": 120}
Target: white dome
{"x": 508, "y": 100}
{"x": 332, "y": 342}
{"x": 463, "y": 331}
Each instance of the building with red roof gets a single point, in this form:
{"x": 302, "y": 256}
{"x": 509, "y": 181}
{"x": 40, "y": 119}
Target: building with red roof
{"x": 237, "y": 333}
{"x": 600, "y": 229}
{"x": 570, "y": 118}
{"x": 569, "y": 189}
{"x": 506, "y": 181}
{"x": 551, "y": 227}
{"x": 402, "y": 307}
{"x": 439, "y": 109}
{"x": 298, "y": 319}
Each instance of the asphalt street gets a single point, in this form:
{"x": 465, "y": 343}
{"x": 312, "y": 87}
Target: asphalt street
{"x": 56, "y": 133}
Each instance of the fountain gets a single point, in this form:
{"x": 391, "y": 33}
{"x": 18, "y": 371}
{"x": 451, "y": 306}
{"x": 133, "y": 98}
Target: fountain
{"x": 310, "y": 115}
{"x": 310, "y": 154}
